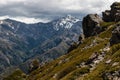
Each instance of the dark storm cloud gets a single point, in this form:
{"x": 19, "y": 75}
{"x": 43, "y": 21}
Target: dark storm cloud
{"x": 50, "y": 9}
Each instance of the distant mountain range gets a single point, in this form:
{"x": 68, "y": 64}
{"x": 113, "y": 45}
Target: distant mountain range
{"x": 95, "y": 57}
{"x": 20, "y": 42}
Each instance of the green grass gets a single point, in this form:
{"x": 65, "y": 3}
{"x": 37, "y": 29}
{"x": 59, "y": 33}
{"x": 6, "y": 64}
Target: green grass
{"x": 76, "y": 73}
{"x": 106, "y": 68}
{"x": 17, "y": 75}
{"x": 67, "y": 70}
{"x": 106, "y": 24}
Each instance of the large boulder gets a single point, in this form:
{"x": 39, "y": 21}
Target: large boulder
{"x": 106, "y": 16}
{"x": 115, "y": 11}
{"x": 91, "y": 24}
{"x": 115, "y": 35}
{"x": 113, "y": 14}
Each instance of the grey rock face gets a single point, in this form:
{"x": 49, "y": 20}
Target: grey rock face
{"x": 91, "y": 24}
{"x": 115, "y": 35}
{"x": 113, "y": 14}
{"x": 106, "y": 16}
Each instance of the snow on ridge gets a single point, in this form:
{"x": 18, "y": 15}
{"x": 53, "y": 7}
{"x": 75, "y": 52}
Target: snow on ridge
{"x": 8, "y": 23}
{"x": 65, "y": 22}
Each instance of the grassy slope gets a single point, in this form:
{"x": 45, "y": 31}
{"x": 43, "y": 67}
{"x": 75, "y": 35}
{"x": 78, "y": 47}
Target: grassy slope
{"x": 65, "y": 67}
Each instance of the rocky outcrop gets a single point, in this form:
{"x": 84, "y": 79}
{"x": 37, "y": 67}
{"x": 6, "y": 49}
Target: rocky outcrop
{"x": 113, "y": 14}
{"x": 115, "y": 35}
{"x": 91, "y": 24}
{"x": 81, "y": 38}
{"x": 106, "y": 16}
{"x": 115, "y": 75}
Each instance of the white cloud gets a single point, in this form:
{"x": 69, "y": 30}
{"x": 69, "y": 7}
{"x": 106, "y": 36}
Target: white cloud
{"x": 91, "y": 6}
{"x": 5, "y": 2}
{"x": 50, "y": 9}
{"x": 30, "y": 20}
{"x": 25, "y": 19}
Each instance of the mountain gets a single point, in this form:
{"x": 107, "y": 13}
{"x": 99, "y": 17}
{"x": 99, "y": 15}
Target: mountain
{"x": 65, "y": 22}
{"x": 64, "y": 31}
{"x": 20, "y": 42}
{"x": 97, "y": 57}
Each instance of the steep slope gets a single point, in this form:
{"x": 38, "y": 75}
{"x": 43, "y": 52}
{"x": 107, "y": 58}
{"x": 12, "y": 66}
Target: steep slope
{"x": 21, "y": 42}
{"x": 78, "y": 63}
{"x": 12, "y": 50}
{"x": 96, "y": 58}
{"x": 93, "y": 59}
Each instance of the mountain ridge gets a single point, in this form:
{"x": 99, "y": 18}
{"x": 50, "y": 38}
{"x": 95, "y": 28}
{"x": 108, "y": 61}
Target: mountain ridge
{"x": 97, "y": 57}
{"x": 21, "y": 41}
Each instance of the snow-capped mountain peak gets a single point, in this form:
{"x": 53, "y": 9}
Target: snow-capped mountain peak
{"x": 65, "y": 22}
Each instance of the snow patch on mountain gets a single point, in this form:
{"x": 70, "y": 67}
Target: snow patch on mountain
{"x": 7, "y": 23}
{"x": 1, "y": 22}
{"x": 65, "y": 22}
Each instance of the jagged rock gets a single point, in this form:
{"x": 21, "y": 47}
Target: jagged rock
{"x": 115, "y": 35}
{"x": 82, "y": 64}
{"x": 106, "y": 16}
{"x": 94, "y": 55}
{"x": 112, "y": 75}
{"x": 81, "y": 38}
{"x": 113, "y": 14}
{"x": 91, "y": 24}
{"x": 115, "y": 11}
{"x": 116, "y": 78}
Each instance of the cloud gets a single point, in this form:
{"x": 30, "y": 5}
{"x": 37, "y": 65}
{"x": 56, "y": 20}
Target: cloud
{"x": 25, "y": 19}
{"x": 45, "y": 10}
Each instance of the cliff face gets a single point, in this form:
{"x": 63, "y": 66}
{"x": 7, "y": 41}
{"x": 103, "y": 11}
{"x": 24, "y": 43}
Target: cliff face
{"x": 113, "y": 14}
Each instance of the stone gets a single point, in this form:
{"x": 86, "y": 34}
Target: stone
{"x": 82, "y": 64}
{"x": 55, "y": 76}
{"x": 116, "y": 63}
{"x": 115, "y": 35}
{"x": 113, "y": 14}
{"x": 106, "y": 49}
{"x": 106, "y": 16}
{"x": 81, "y": 38}
{"x": 113, "y": 76}
{"x": 91, "y": 24}
{"x": 108, "y": 61}
{"x": 93, "y": 56}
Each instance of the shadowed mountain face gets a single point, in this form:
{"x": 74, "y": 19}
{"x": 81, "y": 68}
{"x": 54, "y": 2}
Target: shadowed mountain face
{"x": 45, "y": 41}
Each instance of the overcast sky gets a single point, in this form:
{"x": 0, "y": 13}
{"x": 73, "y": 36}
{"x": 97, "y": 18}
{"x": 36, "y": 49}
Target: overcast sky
{"x": 31, "y": 11}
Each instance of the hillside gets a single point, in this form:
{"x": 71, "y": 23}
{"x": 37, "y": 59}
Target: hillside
{"x": 78, "y": 65}
{"x": 20, "y": 42}
{"x": 97, "y": 57}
